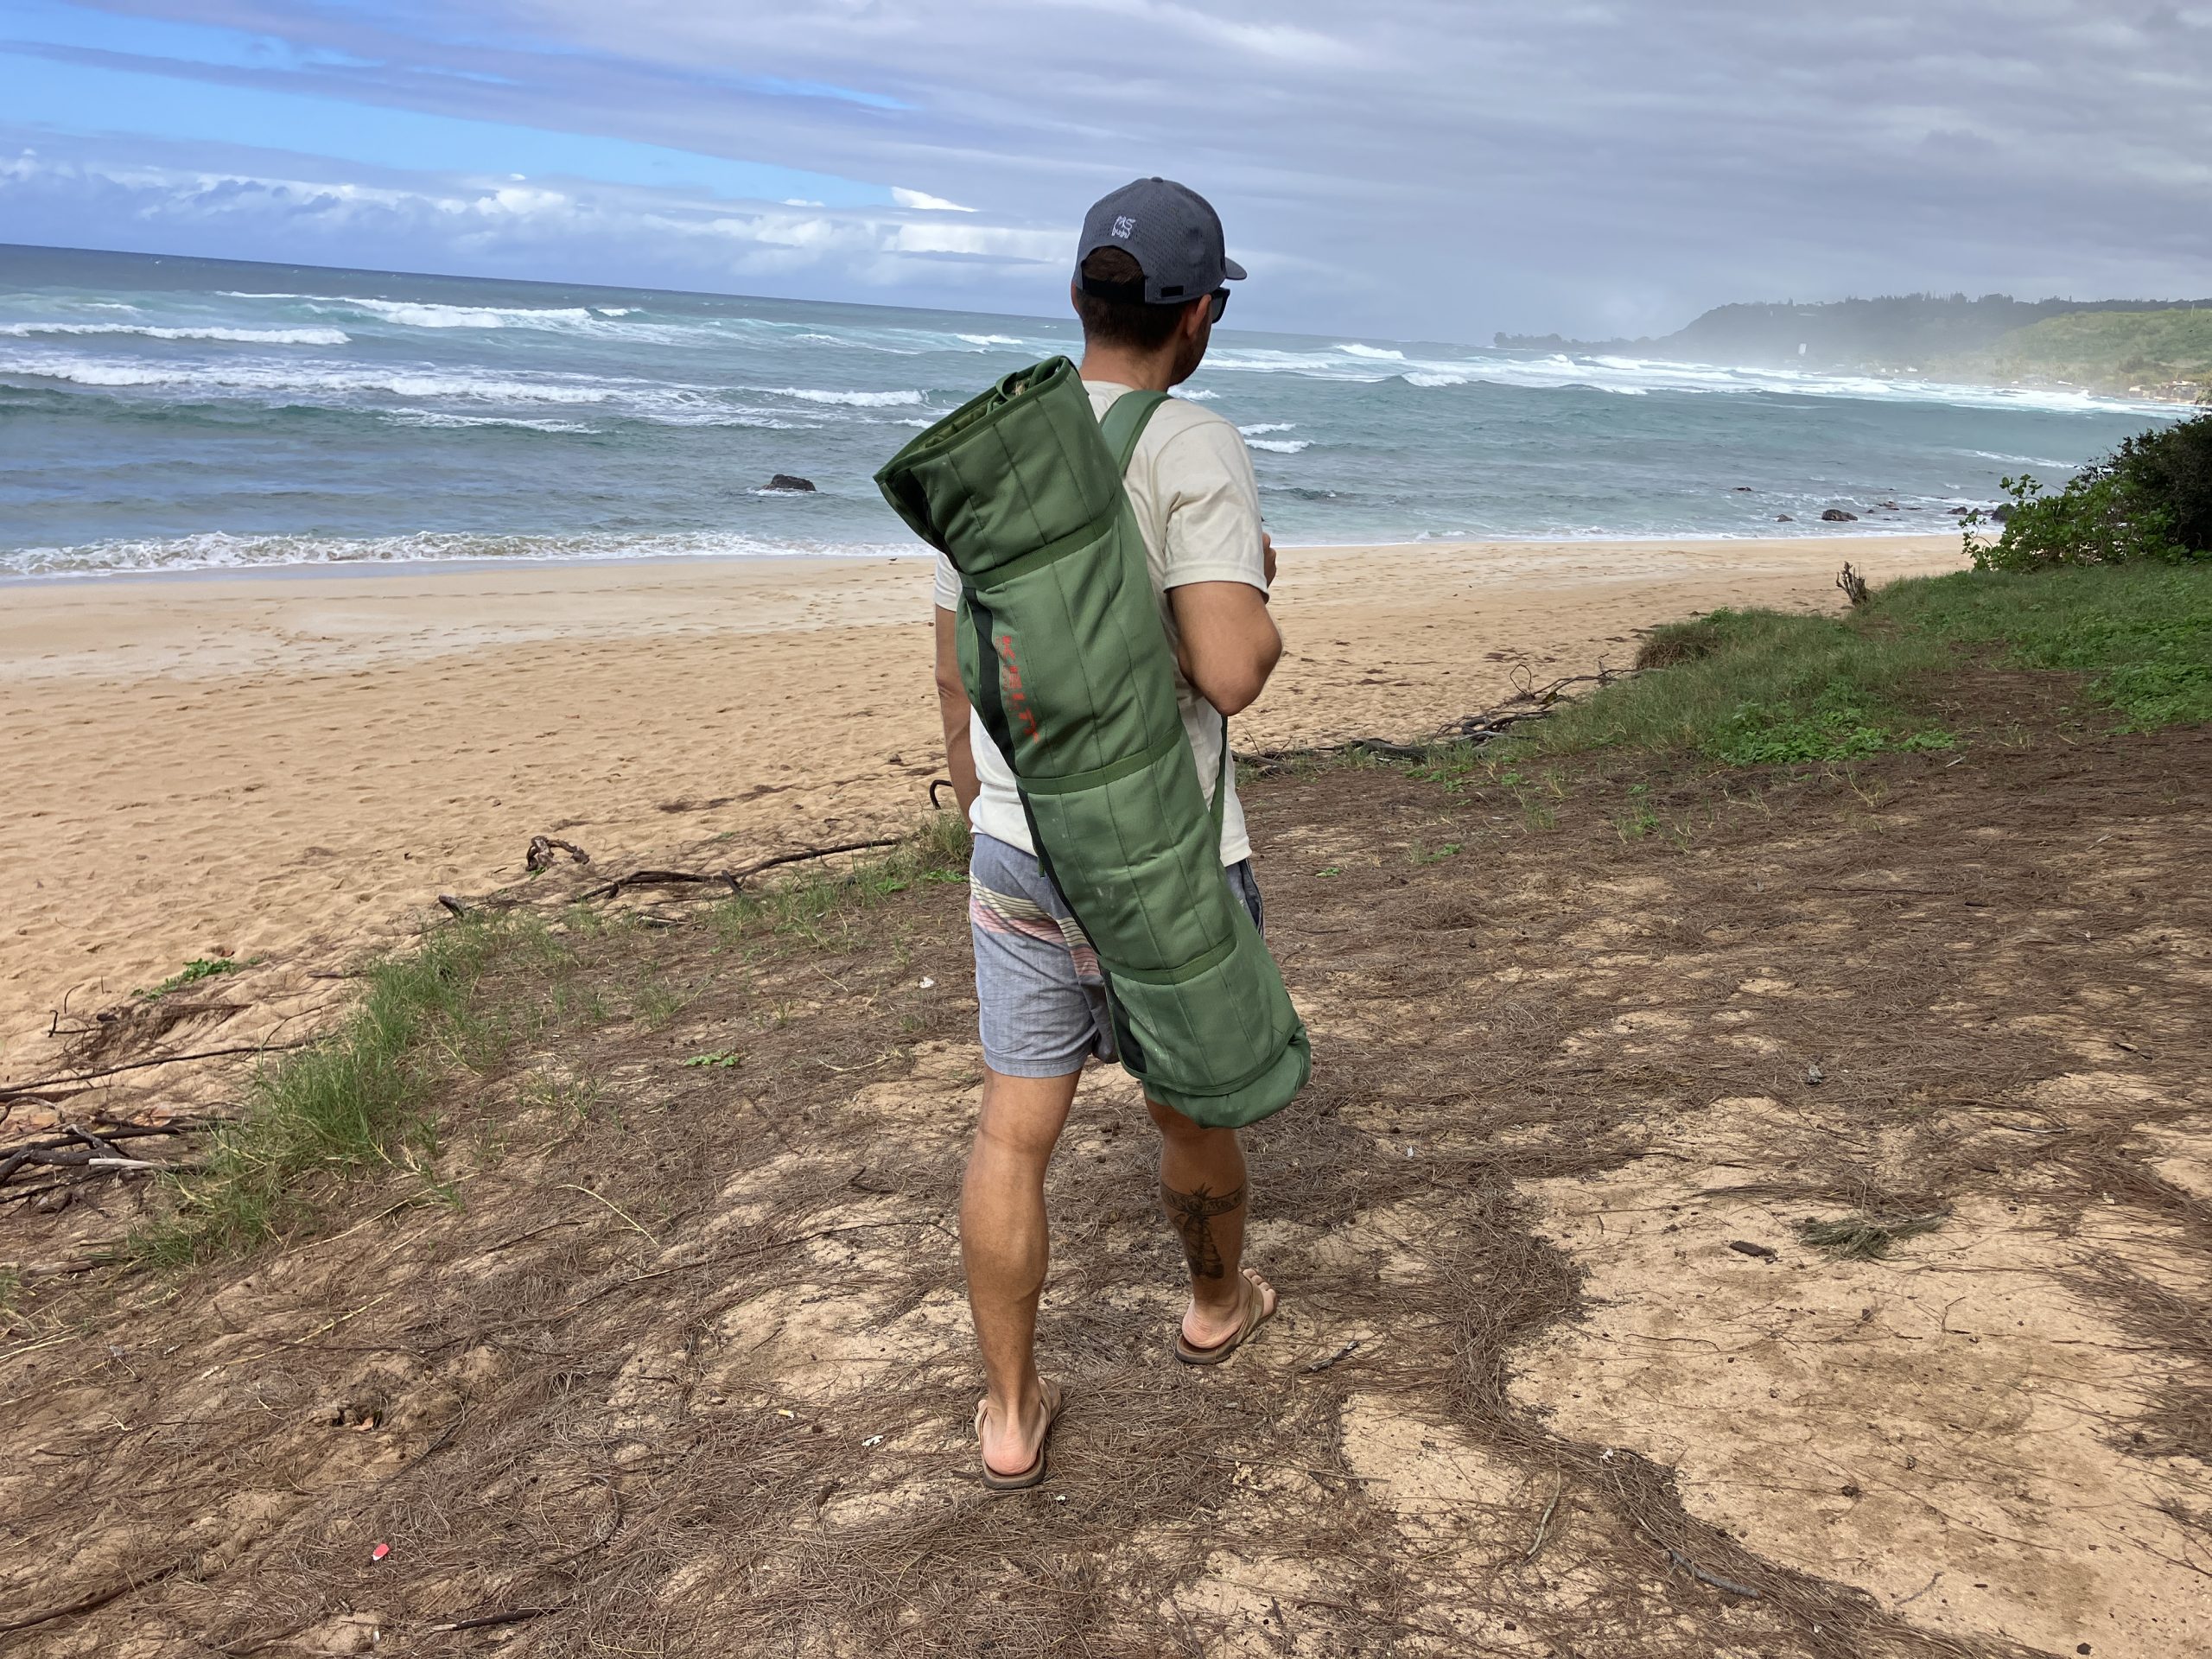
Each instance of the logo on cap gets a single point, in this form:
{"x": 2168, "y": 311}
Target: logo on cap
{"x": 1123, "y": 228}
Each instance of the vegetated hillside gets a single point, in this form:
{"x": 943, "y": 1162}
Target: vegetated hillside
{"x": 2157, "y": 353}
{"x": 1905, "y": 334}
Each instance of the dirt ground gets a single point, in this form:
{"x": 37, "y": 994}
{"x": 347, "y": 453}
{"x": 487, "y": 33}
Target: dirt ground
{"x": 671, "y": 1358}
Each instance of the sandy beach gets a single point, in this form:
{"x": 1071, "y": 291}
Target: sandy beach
{"x": 291, "y": 768}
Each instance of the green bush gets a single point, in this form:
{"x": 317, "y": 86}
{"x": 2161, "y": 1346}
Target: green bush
{"x": 2150, "y": 501}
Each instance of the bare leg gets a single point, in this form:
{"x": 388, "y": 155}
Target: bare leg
{"x": 1202, "y": 1189}
{"x": 1003, "y": 1246}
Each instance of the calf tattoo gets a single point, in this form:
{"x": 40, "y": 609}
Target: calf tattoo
{"x": 1191, "y": 1214}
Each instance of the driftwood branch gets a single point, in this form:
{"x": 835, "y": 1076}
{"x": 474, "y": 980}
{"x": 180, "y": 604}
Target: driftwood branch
{"x": 733, "y": 879}
{"x": 1854, "y": 586}
{"x": 99, "y": 1598}
{"x": 16, "y": 1090}
{"x": 542, "y": 849}
{"x": 1529, "y": 703}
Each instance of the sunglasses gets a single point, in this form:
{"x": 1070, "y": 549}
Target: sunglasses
{"x": 1220, "y": 298}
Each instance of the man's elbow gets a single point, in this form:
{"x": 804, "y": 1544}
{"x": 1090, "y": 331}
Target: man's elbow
{"x": 1233, "y": 688}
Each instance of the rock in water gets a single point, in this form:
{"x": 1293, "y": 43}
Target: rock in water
{"x": 1838, "y": 516}
{"x": 787, "y": 481}
{"x": 1783, "y": 519}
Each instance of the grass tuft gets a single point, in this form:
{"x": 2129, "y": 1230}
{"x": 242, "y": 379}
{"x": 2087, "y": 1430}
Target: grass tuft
{"x": 352, "y": 1102}
{"x": 1867, "y": 1238}
{"x": 192, "y": 973}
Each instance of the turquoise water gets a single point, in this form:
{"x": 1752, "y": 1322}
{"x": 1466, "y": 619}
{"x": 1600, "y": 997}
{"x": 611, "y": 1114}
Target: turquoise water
{"x": 165, "y": 413}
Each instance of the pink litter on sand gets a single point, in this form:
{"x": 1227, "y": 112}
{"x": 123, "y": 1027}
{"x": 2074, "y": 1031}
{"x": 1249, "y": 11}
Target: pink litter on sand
{"x": 380, "y": 1552}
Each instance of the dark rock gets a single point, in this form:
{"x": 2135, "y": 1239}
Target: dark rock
{"x": 2003, "y": 514}
{"x": 1959, "y": 513}
{"x": 1838, "y": 516}
{"x": 1783, "y": 519}
{"x": 787, "y": 482}
{"x": 1887, "y": 507}
{"x": 1742, "y": 489}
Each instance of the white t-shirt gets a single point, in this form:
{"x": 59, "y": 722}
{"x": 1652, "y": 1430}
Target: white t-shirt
{"x": 1189, "y": 479}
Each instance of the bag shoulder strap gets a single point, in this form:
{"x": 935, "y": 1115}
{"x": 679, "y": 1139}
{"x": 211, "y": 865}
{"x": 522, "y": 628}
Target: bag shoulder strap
{"x": 1124, "y": 423}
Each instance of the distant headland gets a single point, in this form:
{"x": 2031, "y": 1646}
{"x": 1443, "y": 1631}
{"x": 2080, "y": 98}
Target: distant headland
{"x": 2158, "y": 349}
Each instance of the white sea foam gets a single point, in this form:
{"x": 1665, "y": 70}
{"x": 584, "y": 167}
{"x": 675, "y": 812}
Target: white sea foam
{"x": 2020, "y": 460}
{"x": 218, "y": 550}
{"x": 424, "y": 313}
{"x": 322, "y": 380}
{"x": 1280, "y": 446}
{"x": 847, "y": 399}
{"x": 1639, "y": 376}
{"x": 150, "y": 331}
{"x": 1202, "y": 395}
{"x": 1383, "y": 353}
{"x": 438, "y": 417}
{"x": 1261, "y": 427}
{"x": 988, "y": 340}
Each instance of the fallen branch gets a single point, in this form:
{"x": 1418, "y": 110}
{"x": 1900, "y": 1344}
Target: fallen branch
{"x": 488, "y": 1620}
{"x": 734, "y": 878}
{"x": 1529, "y": 702}
{"x": 542, "y": 849}
{"x": 14, "y": 1090}
{"x": 1345, "y": 1352}
{"x": 88, "y": 1604}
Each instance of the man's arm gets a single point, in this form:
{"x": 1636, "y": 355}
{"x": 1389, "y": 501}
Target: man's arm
{"x": 1230, "y": 642}
{"x": 952, "y": 709}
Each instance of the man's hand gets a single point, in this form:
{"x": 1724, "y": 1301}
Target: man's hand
{"x": 1268, "y": 554}
{"x": 952, "y": 708}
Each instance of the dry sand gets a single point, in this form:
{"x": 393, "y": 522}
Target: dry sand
{"x": 294, "y": 766}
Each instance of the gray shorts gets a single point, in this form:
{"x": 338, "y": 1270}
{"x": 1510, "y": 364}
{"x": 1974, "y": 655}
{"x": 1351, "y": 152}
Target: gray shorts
{"x": 1042, "y": 999}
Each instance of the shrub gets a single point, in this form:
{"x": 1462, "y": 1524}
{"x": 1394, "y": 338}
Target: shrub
{"x": 2150, "y": 500}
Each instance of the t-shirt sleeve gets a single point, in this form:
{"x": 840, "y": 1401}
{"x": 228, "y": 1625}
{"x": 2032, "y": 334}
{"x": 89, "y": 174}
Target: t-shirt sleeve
{"x": 1204, "y": 475}
{"x": 948, "y": 585}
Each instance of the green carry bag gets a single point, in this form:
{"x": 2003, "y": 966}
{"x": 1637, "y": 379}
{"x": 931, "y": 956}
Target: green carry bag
{"x": 1064, "y": 658}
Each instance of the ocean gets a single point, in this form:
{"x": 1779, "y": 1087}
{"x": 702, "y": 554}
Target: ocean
{"x": 168, "y": 413}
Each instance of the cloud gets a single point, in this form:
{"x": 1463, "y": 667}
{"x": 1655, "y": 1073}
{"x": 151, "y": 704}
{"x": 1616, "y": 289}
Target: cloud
{"x": 921, "y": 201}
{"x": 1410, "y": 167}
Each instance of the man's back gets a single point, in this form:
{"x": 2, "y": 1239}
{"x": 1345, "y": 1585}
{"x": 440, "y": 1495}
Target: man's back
{"x": 1190, "y": 481}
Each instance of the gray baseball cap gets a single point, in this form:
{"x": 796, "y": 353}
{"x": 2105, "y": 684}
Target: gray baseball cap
{"x": 1170, "y": 231}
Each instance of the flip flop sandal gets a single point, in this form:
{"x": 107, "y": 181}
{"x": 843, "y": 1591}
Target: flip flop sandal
{"x": 994, "y": 1481}
{"x": 1256, "y": 1313}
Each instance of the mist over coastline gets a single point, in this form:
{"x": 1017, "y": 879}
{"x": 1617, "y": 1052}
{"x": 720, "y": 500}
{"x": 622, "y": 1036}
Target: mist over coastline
{"x": 279, "y": 416}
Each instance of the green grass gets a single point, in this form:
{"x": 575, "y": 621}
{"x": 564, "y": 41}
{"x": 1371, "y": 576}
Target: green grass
{"x": 192, "y": 973}
{"x": 1866, "y": 1238}
{"x": 355, "y": 1102}
{"x": 2142, "y": 633}
{"x": 1760, "y": 688}
{"x": 815, "y": 906}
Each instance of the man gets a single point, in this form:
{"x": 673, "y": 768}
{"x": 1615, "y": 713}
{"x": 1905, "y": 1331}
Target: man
{"x": 1148, "y": 288}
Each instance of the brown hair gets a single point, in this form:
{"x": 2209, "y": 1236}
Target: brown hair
{"x": 1131, "y": 323}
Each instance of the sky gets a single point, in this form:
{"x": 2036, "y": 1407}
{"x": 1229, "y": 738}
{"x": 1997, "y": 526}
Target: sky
{"x": 1425, "y": 169}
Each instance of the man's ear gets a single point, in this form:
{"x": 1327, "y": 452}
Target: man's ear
{"x": 1194, "y": 318}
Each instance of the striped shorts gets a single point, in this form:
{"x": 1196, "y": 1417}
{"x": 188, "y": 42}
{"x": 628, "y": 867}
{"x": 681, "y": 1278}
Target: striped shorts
{"x": 1041, "y": 1000}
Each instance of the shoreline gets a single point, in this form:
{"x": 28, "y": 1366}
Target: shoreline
{"x": 312, "y": 568}
{"x": 293, "y": 770}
